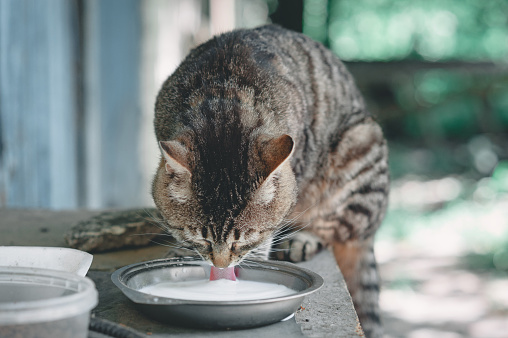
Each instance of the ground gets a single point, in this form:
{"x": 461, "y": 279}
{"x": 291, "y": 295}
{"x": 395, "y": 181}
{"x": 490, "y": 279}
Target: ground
{"x": 443, "y": 258}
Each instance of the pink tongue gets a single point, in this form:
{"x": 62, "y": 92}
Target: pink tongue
{"x": 226, "y": 273}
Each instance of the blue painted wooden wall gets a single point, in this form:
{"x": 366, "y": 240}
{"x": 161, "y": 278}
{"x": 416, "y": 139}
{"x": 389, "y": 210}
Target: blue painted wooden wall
{"x": 38, "y": 104}
{"x": 69, "y": 103}
{"x": 112, "y": 106}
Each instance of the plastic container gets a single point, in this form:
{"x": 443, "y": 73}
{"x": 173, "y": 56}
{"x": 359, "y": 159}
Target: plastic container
{"x": 45, "y": 303}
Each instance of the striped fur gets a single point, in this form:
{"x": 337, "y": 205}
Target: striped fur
{"x": 259, "y": 126}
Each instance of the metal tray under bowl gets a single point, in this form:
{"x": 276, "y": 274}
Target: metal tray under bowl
{"x": 215, "y": 314}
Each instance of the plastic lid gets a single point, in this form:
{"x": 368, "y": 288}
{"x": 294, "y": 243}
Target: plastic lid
{"x": 32, "y": 295}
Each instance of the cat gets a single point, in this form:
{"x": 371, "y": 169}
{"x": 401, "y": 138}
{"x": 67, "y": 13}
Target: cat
{"x": 260, "y": 126}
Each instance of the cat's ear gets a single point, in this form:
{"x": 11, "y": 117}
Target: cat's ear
{"x": 176, "y": 156}
{"x": 273, "y": 152}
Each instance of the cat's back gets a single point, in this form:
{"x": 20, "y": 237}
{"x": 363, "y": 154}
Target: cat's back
{"x": 282, "y": 69}
{"x": 243, "y": 63}
{"x": 290, "y": 83}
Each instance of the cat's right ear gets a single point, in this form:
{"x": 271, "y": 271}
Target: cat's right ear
{"x": 175, "y": 155}
{"x": 273, "y": 152}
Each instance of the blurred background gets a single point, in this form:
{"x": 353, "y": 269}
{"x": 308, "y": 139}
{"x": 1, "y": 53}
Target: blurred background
{"x": 78, "y": 80}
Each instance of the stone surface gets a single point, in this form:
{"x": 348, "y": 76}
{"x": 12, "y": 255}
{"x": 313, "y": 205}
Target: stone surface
{"x": 326, "y": 313}
{"x": 38, "y": 227}
{"x": 115, "y": 230}
{"x": 329, "y": 312}
{"x": 114, "y": 306}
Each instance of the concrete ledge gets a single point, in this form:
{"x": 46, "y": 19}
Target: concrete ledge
{"x": 328, "y": 312}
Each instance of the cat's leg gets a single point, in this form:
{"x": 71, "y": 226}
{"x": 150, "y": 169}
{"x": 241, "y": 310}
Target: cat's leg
{"x": 351, "y": 203}
{"x": 300, "y": 246}
{"x": 356, "y": 260}
{"x": 358, "y": 265}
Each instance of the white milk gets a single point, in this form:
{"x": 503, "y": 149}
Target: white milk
{"x": 218, "y": 290}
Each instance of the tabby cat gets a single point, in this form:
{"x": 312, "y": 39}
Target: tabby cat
{"x": 260, "y": 126}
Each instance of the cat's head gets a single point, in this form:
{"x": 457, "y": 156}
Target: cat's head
{"x": 225, "y": 200}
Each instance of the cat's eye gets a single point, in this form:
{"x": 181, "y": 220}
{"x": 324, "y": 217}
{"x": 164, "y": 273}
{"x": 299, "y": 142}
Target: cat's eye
{"x": 205, "y": 244}
{"x": 238, "y": 247}
{"x": 235, "y": 248}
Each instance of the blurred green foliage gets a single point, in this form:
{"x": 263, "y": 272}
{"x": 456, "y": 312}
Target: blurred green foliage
{"x": 499, "y": 180}
{"x": 441, "y": 97}
{"x": 380, "y": 30}
{"x": 473, "y": 223}
{"x": 453, "y": 101}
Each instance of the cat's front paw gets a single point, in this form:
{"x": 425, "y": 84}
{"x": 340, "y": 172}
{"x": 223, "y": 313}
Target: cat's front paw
{"x": 300, "y": 247}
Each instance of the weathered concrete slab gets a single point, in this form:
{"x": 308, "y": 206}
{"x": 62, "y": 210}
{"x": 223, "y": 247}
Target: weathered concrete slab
{"x": 114, "y": 306}
{"x": 38, "y": 227}
{"x": 326, "y": 313}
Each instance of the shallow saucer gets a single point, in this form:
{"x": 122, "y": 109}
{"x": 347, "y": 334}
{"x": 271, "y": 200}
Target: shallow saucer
{"x": 215, "y": 314}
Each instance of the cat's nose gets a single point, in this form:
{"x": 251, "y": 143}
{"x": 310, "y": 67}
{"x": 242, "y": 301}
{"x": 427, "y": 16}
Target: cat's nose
{"x": 220, "y": 261}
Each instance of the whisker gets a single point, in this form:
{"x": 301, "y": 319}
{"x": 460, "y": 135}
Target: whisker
{"x": 247, "y": 264}
{"x": 151, "y": 233}
{"x": 253, "y": 263}
{"x": 288, "y": 235}
{"x": 152, "y": 216}
{"x": 158, "y": 222}
{"x": 277, "y": 250}
{"x": 298, "y": 215}
{"x": 196, "y": 251}
{"x": 171, "y": 246}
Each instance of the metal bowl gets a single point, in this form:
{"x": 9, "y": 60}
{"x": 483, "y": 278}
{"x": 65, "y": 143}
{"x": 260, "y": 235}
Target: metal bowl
{"x": 215, "y": 314}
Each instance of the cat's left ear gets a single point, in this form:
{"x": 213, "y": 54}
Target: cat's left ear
{"x": 176, "y": 157}
{"x": 274, "y": 152}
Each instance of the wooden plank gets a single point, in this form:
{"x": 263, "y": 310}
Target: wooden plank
{"x": 37, "y": 160}
{"x": 112, "y": 104}
{"x": 63, "y": 103}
